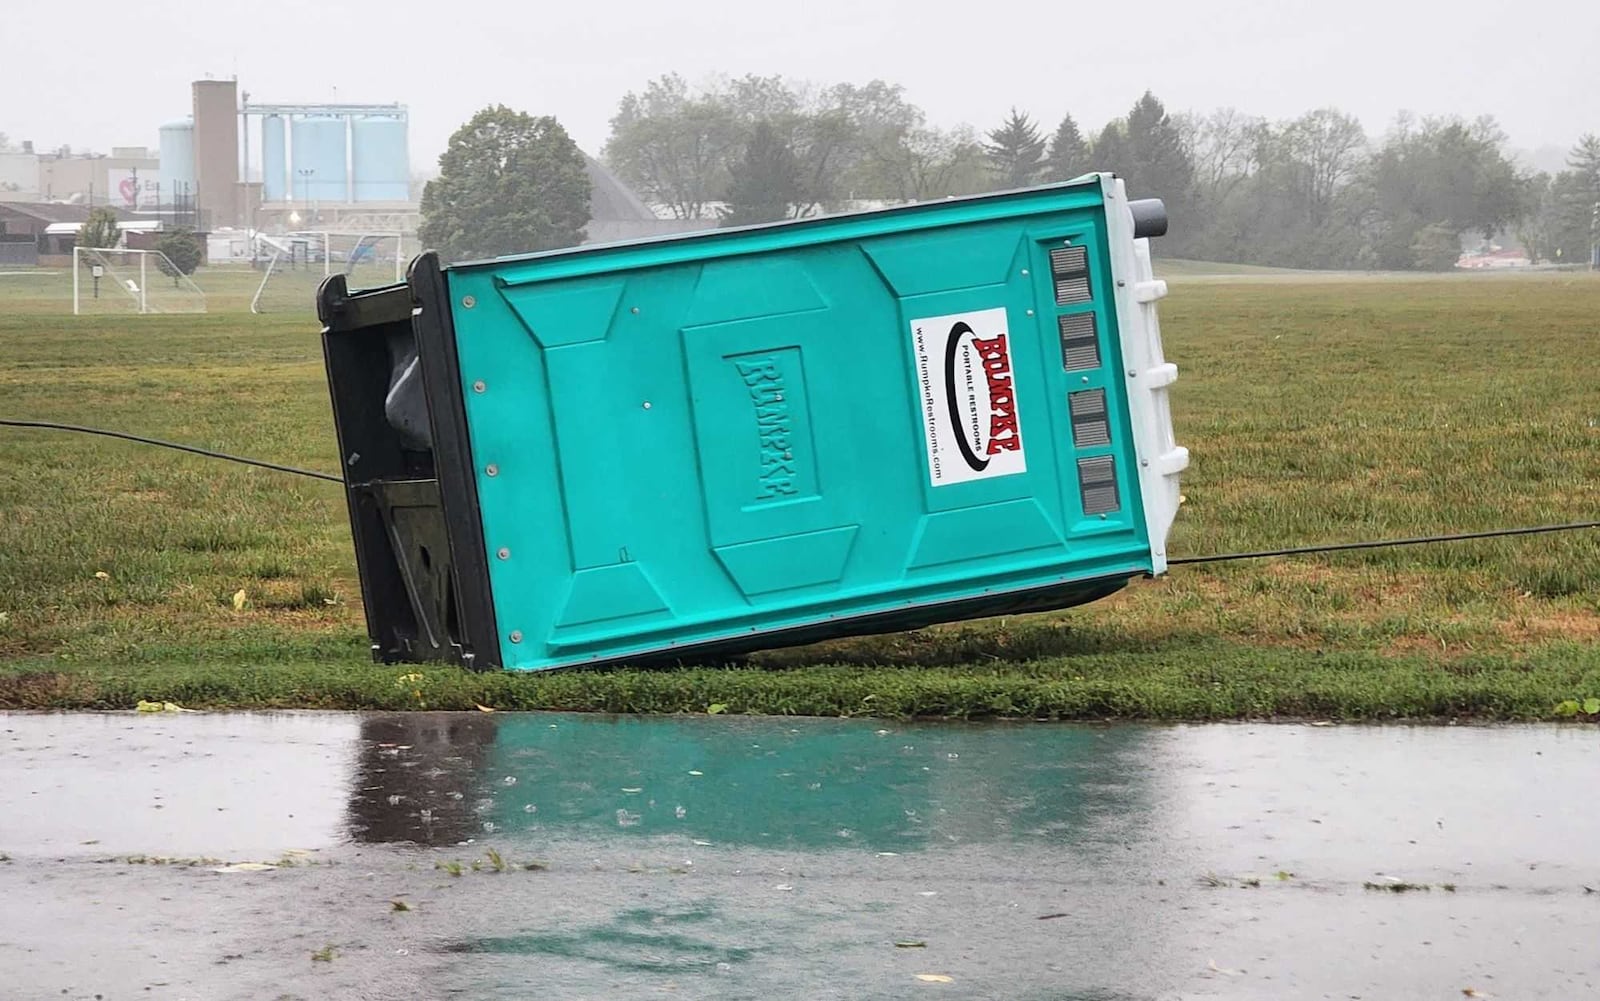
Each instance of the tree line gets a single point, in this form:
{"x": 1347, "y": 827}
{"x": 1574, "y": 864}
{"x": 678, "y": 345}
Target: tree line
{"x": 1312, "y": 192}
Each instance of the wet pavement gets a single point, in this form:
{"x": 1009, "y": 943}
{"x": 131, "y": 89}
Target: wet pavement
{"x": 559, "y": 856}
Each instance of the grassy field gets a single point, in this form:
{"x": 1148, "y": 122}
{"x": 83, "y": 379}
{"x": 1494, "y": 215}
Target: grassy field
{"x": 1316, "y": 410}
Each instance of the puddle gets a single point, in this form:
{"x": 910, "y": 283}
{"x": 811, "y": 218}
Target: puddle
{"x": 717, "y": 857}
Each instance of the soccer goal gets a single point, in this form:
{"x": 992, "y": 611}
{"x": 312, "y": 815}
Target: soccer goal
{"x": 295, "y": 264}
{"x": 131, "y": 281}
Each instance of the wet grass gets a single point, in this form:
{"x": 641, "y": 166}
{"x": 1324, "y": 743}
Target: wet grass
{"x": 1203, "y": 680}
{"x": 1315, "y": 410}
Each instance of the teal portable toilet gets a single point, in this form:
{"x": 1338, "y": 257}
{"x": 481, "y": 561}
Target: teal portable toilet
{"x": 688, "y": 448}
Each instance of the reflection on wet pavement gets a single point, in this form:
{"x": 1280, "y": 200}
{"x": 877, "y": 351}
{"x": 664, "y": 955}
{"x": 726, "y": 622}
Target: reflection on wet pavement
{"x": 746, "y": 858}
{"x": 822, "y": 785}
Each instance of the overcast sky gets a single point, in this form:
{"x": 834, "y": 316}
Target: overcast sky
{"x": 100, "y": 73}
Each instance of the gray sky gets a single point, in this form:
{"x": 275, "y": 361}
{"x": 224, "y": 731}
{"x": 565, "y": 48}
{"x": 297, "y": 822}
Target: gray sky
{"x": 104, "y": 73}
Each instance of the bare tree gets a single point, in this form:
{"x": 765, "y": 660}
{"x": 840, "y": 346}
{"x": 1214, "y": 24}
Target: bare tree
{"x": 672, "y": 146}
{"x": 1326, "y": 148}
{"x": 931, "y": 163}
{"x": 1225, "y": 148}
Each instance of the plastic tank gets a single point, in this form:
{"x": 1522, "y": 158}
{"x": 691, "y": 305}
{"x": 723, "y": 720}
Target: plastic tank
{"x": 274, "y": 160}
{"x": 177, "y": 160}
{"x": 379, "y": 159}
{"x": 665, "y": 451}
{"x": 321, "y": 171}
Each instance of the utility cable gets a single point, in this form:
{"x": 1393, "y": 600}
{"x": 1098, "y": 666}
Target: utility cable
{"x": 1263, "y": 554}
{"x": 208, "y": 453}
{"x": 1423, "y": 540}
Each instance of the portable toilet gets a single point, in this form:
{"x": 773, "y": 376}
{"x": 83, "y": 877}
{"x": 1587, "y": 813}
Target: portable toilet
{"x": 687, "y": 448}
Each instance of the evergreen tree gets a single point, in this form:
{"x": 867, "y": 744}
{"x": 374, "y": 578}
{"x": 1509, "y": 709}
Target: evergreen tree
{"x": 1069, "y": 152}
{"x": 183, "y": 249}
{"x": 766, "y": 183}
{"x": 1015, "y": 152}
{"x": 1110, "y": 149}
{"x": 100, "y": 230}
{"x": 1585, "y": 164}
{"x": 1159, "y": 164}
{"x": 1585, "y": 159}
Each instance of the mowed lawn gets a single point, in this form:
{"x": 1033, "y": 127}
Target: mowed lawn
{"x": 1316, "y": 410}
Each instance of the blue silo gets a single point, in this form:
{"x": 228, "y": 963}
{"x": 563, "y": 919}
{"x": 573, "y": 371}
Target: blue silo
{"x": 321, "y": 165}
{"x": 379, "y": 158}
{"x": 274, "y": 160}
{"x": 177, "y": 161}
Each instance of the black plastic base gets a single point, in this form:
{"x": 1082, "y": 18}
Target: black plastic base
{"x": 409, "y": 484}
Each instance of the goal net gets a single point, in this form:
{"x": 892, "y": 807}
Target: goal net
{"x": 131, "y": 281}
{"x": 294, "y": 265}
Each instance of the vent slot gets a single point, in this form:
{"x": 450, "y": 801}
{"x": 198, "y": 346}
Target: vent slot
{"x": 1080, "y": 342}
{"x": 1097, "y": 484}
{"x": 1091, "y": 426}
{"x": 1069, "y": 267}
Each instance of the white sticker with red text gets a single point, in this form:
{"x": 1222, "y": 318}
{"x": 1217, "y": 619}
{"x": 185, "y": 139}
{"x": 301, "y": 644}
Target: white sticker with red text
{"x": 969, "y": 404}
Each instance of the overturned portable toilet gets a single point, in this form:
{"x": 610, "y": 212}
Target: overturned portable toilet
{"x": 693, "y": 447}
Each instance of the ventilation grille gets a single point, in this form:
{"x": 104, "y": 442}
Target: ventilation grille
{"x": 1097, "y": 483}
{"x": 1090, "y": 424}
{"x": 1080, "y": 342}
{"x": 1069, "y": 267}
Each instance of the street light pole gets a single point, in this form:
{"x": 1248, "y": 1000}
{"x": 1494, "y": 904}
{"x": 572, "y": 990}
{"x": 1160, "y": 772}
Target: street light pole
{"x": 306, "y": 174}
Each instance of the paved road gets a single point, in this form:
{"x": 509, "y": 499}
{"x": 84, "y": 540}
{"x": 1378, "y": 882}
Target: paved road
{"x": 766, "y": 858}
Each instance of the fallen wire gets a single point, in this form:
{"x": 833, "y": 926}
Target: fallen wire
{"x": 1421, "y": 540}
{"x": 208, "y": 453}
{"x": 1263, "y": 554}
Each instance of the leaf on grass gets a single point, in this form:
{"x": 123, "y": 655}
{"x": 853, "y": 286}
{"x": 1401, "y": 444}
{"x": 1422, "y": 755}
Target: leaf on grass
{"x": 239, "y": 600}
{"x": 717, "y": 708}
{"x": 935, "y": 978}
{"x": 101, "y": 575}
{"x": 484, "y": 709}
{"x": 1591, "y": 706}
{"x": 1214, "y": 968}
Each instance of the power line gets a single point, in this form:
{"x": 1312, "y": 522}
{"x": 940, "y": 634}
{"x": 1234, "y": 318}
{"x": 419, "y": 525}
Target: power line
{"x": 208, "y": 453}
{"x": 1262, "y": 554}
{"x": 1423, "y": 540}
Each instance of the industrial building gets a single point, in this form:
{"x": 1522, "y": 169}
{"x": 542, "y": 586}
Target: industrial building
{"x": 234, "y": 164}
{"x": 128, "y": 178}
{"x": 38, "y": 232}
